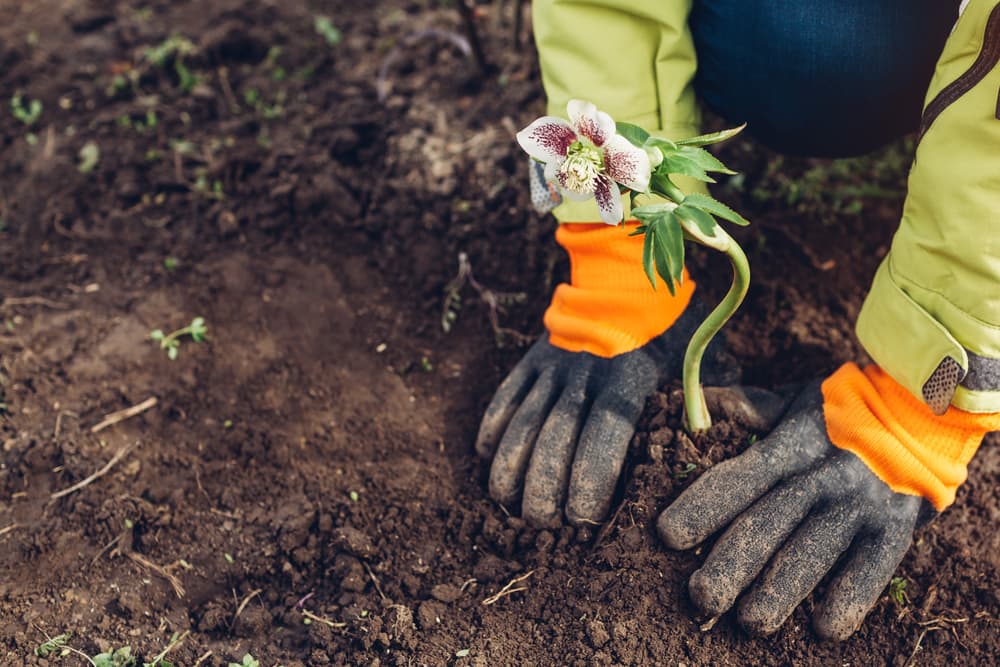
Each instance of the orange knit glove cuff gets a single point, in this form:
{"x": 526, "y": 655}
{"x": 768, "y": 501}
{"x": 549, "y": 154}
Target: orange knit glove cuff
{"x": 910, "y": 448}
{"x": 609, "y": 308}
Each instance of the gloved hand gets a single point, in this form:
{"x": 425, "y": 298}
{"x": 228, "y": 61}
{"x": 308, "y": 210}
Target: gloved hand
{"x": 558, "y": 427}
{"x": 795, "y": 502}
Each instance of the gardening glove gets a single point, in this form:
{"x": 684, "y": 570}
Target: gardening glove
{"x": 853, "y": 469}
{"x": 558, "y": 427}
{"x": 861, "y": 460}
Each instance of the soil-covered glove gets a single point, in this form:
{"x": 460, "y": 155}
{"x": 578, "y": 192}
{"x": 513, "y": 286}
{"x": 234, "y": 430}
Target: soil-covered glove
{"x": 856, "y": 465}
{"x": 558, "y": 427}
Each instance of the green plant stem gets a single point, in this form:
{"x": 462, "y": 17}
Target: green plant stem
{"x": 695, "y": 409}
{"x": 176, "y": 335}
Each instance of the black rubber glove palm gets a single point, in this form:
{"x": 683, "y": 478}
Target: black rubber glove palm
{"x": 558, "y": 427}
{"x": 794, "y": 504}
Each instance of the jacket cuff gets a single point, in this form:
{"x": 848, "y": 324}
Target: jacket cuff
{"x": 920, "y": 352}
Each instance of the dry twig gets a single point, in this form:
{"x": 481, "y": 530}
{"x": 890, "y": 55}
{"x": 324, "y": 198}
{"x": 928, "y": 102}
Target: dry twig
{"x": 62, "y": 413}
{"x": 509, "y": 588}
{"x": 32, "y": 301}
{"x": 325, "y": 621}
{"x": 122, "y": 415}
{"x": 7, "y": 529}
{"x": 174, "y": 582}
{"x": 934, "y": 625}
{"x": 97, "y": 475}
{"x": 243, "y": 605}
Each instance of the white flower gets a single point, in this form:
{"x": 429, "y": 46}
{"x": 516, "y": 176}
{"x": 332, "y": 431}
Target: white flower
{"x": 587, "y": 157}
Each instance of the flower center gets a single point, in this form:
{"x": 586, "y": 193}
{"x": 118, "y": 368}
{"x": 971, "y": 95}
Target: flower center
{"x": 581, "y": 167}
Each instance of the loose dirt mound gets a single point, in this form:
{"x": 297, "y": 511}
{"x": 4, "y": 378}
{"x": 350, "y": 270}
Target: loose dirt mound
{"x": 305, "y": 489}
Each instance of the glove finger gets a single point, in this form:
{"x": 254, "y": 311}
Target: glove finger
{"x": 511, "y": 459}
{"x": 725, "y": 490}
{"x": 749, "y": 542}
{"x": 798, "y": 567}
{"x": 504, "y": 404}
{"x": 869, "y": 567}
{"x": 604, "y": 440}
{"x": 547, "y": 478}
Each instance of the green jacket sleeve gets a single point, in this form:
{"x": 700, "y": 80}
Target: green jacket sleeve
{"x": 634, "y": 59}
{"x": 932, "y": 317}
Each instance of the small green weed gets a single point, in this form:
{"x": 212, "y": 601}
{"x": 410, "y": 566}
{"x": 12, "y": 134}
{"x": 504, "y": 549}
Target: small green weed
{"x": 121, "y": 657}
{"x": 26, "y": 112}
{"x": 325, "y": 28}
{"x": 685, "y": 471}
{"x": 172, "y": 342}
{"x": 897, "y": 591}
{"x": 248, "y": 661}
{"x": 90, "y": 156}
{"x": 213, "y": 192}
{"x": 175, "y": 45}
{"x": 53, "y": 645}
{"x": 175, "y": 48}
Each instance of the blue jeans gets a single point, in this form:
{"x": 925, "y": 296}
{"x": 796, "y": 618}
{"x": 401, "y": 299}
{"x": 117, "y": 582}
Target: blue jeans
{"x": 829, "y": 78}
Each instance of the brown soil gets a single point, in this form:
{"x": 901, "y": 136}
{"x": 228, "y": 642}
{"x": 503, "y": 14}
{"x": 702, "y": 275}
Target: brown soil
{"x": 314, "y": 455}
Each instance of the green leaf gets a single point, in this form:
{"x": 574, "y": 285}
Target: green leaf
{"x": 635, "y": 134}
{"x": 198, "y": 329}
{"x": 715, "y": 207}
{"x": 669, "y": 250}
{"x": 705, "y": 222}
{"x": 172, "y": 352}
{"x": 648, "y": 264}
{"x": 704, "y": 159}
{"x": 661, "y": 257}
{"x": 676, "y": 163}
{"x": 712, "y": 138}
{"x": 156, "y": 334}
{"x": 660, "y": 142}
{"x": 653, "y": 213}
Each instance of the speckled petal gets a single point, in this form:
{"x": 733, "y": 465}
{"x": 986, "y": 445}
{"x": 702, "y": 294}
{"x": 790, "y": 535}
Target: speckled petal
{"x": 609, "y": 201}
{"x": 595, "y": 125}
{"x": 547, "y": 139}
{"x": 627, "y": 164}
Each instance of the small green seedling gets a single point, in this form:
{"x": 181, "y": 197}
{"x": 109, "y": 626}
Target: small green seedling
{"x": 175, "y": 47}
{"x": 90, "y": 156}
{"x": 897, "y": 591}
{"x": 170, "y": 263}
{"x": 248, "y": 661}
{"x": 118, "y": 658}
{"x": 325, "y": 28}
{"x": 53, "y": 645}
{"x": 121, "y": 657}
{"x": 27, "y": 113}
{"x": 172, "y": 342}
{"x": 685, "y": 471}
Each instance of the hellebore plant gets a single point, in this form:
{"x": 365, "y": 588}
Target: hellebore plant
{"x": 592, "y": 156}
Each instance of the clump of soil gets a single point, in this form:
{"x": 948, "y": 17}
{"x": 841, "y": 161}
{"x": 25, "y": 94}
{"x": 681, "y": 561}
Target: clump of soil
{"x": 305, "y": 489}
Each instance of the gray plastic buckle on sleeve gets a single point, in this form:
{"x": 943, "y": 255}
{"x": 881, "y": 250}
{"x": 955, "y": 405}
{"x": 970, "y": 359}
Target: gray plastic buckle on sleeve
{"x": 983, "y": 374}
